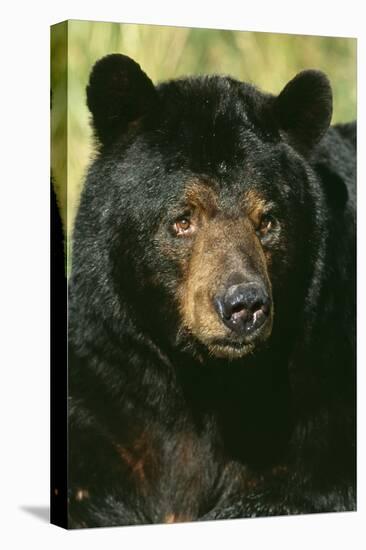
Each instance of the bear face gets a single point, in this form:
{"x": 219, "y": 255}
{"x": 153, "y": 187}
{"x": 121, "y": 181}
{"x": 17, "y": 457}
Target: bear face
{"x": 221, "y": 173}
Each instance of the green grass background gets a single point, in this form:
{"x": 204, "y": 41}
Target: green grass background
{"x": 265, "y": 59}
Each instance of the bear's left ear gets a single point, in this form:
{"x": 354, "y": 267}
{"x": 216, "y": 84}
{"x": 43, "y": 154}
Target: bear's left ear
{"x": 303, "y": 110}
{"x": 118, "y": 93}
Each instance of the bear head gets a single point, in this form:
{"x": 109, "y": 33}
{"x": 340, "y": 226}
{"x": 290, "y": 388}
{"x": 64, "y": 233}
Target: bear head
{"x": 201, "y": 211}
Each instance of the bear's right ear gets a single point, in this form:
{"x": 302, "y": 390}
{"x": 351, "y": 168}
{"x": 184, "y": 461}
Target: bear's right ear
{"x": 303, "y": 110}
{"x": 118, "y": 93}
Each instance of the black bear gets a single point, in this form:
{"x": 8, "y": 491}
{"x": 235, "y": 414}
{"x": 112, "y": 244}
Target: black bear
{"x": 212, "y": 303}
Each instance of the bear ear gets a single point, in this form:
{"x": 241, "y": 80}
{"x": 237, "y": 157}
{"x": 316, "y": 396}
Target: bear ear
{"x": 118, "y": 93}
{"x": 303, "y": 110}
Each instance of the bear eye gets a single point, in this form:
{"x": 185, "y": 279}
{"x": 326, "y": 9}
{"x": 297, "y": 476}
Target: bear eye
{"x": 266, "y": 224}
{"x": 183, "y": 226}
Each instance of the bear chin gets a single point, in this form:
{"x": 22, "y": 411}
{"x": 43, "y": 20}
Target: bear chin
{"x": 230, "y": 351}
{"x": 232, "y": 348}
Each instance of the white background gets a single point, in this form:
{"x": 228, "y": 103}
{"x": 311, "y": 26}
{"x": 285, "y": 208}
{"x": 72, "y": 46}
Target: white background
{"x": 24, "y": 304}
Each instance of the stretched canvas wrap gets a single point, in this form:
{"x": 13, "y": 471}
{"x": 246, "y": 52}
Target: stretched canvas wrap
{"x": 203, "y": 274}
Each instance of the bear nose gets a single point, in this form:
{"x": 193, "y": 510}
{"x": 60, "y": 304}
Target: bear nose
{"x": 244, "y": 307}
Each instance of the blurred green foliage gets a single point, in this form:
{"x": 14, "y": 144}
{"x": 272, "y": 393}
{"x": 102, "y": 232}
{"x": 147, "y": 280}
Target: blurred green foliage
{"x": 264, "y": 59}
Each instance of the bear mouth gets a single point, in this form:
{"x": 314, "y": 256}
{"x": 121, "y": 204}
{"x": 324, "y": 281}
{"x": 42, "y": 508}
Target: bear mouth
{"x": 232, "y": 347}
{"x": 229, "y": 349}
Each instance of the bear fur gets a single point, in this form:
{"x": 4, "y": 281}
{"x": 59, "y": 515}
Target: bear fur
{"x": 212, "y": 303}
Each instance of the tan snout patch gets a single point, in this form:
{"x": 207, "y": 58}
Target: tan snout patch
{"x": 222, "y": 247}
{"x": 197, "y": 291}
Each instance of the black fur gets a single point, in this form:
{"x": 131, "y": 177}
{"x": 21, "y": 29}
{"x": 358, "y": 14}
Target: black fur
{"x": 272, "y": 433}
